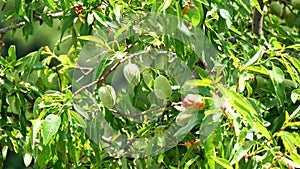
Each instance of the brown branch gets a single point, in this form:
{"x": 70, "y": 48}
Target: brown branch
{"x": 258, "y": 19}
{"x": 11, "y": 27}
{"x": 102, "y": 78}
{"x": 4, "y": 30}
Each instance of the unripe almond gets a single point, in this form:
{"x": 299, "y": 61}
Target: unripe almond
{"x": 162, "y": 87}
{"x": 107, "y": 96}
{"x": 132, "y": 73}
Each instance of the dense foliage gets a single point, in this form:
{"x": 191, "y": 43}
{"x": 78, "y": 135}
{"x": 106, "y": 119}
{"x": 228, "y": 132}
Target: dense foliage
{"x": 240, "y": 109}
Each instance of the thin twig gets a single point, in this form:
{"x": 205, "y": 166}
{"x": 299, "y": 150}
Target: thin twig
{"x": 11, "y": 27}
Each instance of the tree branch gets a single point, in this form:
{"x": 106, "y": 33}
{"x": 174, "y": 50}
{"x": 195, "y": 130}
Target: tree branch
{"x": 258, "y": 19}
{"x": 4, "y": 30}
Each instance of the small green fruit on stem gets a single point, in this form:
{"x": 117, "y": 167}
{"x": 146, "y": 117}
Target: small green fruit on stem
{"x": 107, "y": 96}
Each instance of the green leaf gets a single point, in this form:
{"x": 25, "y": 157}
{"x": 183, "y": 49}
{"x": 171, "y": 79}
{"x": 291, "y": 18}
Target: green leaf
{"x": 117, "y": 12}
{"x": 290, "y": 163}
{"x": 257, "y": 69}
{"x": 90, "y": 18}
{"x": 165, "y": 5}
{"x": 186, "y": 155}
{"x": 295, "y": 114}
{"x": 262, "y": 129}
{"x": 50, "y": 3}
{"x": 99, "y": 69}
{"x": 295, "y": 62}
{"x": 295, "y": 95}
{"x": 296, "y": 46}
{"x": 225, "y": 14}
{"x": 190, "y": 162}
{"x": 256, "y": 57}
{"x": 277, "y": 75}
{"x": 210, "y": 151}
{"x": 242, "y": 150}
{"x": 288, "y": 140}
{"x": 50, "y": 127}
{"x": 78, "y": 119}
{"x": 277, "y": 78}
{"x": 100, "y": 18}
{"x": 195, "y": 15}
{"x": 27, "y": 159}
{"x": 44, "y": 157}
{"x": 68, "y": 21}
{"x": 4, "y": 151}
{"x": 13, "y": 104}
{"x": 209, "y": 124}
{"x": 121, "y": 30}
{"x": 81, "y": 111}
{"x": 48, "y": 20}
{"x": 240, "y": 103}
{"x": 36, "y": 126}
{"x": 185, "y": 129}
{"x": 199, "y": 82}
{"x": 12, "y": 54}
{"x": 36, "y": 107}
{"x": 19, "y": 7}
{"x": 223, "y": 162}
{"x": 92, "y": 39}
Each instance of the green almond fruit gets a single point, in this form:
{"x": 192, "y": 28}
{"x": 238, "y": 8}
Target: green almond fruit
{"x": 296, "y": 4}
{"x": 132, "y": 73}
{"x": 183, "y": 118}
{"x": 162, "y": 87}
{"x": 276, "y": 8}
{"x": 107, "y": 96}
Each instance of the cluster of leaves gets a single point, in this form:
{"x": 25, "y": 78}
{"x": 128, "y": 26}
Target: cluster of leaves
{"x": 254, "y": 125}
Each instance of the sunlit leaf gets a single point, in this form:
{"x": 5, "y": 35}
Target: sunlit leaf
{"x": 165, "y": 5}
{"x": 223, "y": 162}
{"x": 199, "y": 82}
{"x": 50, "y": 127}
{"x": 243, "y": 150}
{"x": 295, "y": 95}
{"x": 255, "y": 58}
